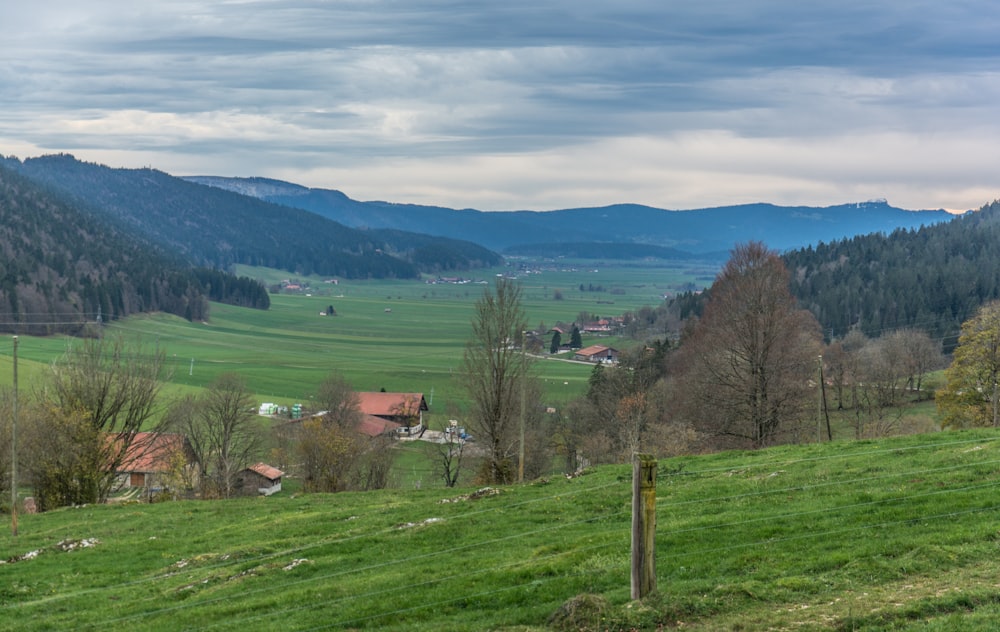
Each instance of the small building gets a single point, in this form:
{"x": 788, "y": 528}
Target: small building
{"x": 597, "y": 354}
{"x": 599, "y": 327}
{"x": 260, "y": 478}
{"x": 152, "y": 458}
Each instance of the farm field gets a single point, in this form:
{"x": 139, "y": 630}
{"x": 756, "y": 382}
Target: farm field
{"x": 895, "y": 534}
{"x": 396, "y": 335}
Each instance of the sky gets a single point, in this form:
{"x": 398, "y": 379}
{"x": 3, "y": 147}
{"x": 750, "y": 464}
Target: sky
{"x": 540, "y": 104}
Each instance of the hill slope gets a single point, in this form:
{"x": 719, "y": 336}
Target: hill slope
{"x": 932, "y": 279}
{"x": 60, "y": 267}
{"x": 697, "y": 231}
{"x": 218, "y": 228}
{"x": 895, "y": 534}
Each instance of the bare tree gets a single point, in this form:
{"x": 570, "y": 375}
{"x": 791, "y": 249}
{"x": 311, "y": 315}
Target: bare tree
{"x": 374, "y": 468}
{"x": 182, "y": 416}
{"x": 919, "y": 354}
{"x": 327, "y": 452}
{"x": 334, "y": 454}
{"x": 880, "y": 386}
{"x": 746, "y": 367}
{"x": 338, "y": 401}
{"x": 112, "y": 385}
{"x": 450, "y": 452}
{"x": 842, "y": 366}
{"x": 231, "y": 438}
{"x": 494, "y": 370}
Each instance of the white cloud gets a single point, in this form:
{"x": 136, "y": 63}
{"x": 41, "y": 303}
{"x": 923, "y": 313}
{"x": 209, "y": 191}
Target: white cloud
{"x": 521, "y": 104}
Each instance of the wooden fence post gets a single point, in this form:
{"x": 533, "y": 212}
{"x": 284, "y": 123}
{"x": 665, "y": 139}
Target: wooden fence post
{"x": 643, "y": 525}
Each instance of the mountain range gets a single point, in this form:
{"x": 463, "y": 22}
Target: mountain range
{"x": 79, "y": 239}
{"x": 213, "y": 227}
{"x": 689, "y": 232}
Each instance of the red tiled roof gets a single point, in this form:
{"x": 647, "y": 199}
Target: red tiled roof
{"x": 374, "y": 426}
{"x": 152, "y": 451}
{"x": 268, "y": 472}
{"x": 391, "y": 404}
{"x": 592, "y": 350}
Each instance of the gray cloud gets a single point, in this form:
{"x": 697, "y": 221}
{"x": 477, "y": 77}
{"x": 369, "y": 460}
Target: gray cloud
{"x": 403, "y": 98}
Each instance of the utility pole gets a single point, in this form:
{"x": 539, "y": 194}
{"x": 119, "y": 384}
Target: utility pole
{"x": 13, "y": 452}
{"x": 819, "y": 401}
{"x": 822, "y": 394}
{"x": 520, "y": 450}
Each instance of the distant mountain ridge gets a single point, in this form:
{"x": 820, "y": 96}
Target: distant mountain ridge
{"x": 697, "y": 231}
{"x": 218, "y": 228}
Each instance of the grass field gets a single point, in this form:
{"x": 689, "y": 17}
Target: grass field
{"x": 898, "y": 534}
{"x": 398, "y": 335}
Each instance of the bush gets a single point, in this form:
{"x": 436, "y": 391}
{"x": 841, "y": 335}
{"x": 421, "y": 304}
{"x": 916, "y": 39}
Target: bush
{"x": 582, "y": 612}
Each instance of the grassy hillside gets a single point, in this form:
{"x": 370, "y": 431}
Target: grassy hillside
{"x": 895, "y": 534}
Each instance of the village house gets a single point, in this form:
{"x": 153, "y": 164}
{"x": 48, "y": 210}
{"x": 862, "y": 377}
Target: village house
{"x": 386, "y": 413}
{"x": 153, "y": 460}
{"x": 597, "y": 354}
{"x": 599, "y": 327}
{"x": 405, "y": 409}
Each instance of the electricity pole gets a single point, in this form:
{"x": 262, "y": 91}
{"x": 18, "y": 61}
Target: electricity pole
{"x": 520, "y": 450}
{"x": 13, "y": 452}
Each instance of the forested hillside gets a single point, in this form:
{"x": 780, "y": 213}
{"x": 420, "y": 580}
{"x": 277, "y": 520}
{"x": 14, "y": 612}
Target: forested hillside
{"x": 217, "y": 228}
{"x": 60, "y": 268}
{"x": 932, "y": 278}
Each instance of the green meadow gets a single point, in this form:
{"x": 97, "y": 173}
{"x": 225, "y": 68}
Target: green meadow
{"x": 397, "y": 335}
{"x": 896, "y": 534}
{"x": 893, "y": 534}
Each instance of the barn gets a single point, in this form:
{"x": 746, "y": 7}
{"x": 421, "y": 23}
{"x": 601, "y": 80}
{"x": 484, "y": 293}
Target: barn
{"x": 260, "y": 478}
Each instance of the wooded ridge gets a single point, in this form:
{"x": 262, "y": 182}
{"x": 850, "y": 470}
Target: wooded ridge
{"x": 62, "y": 268}
{"x": 932, "y": 278}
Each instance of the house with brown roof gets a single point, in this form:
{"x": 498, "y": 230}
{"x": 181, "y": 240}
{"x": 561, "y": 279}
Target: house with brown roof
{"x": 405, "y": 409}
{"x": 597, "y": 354}
{"x": 602, "y": 326}
{"x": 373, "y": 426}
{"x": 152, "y": 458}
{"x": 260, "y": 478}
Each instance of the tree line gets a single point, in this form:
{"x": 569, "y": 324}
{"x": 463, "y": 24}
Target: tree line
{"x": 94, "y": 411}
{"x": 933, "y": 278}
{"x": 751, "y": 370}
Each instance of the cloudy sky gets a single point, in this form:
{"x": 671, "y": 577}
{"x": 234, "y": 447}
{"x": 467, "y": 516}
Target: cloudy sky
{"x": 536, "y": 104}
